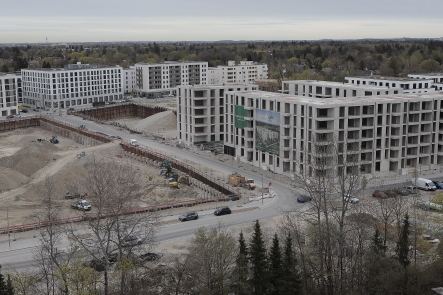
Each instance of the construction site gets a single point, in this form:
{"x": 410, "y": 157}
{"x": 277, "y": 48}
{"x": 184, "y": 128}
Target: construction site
{"x": 42, "y": 149}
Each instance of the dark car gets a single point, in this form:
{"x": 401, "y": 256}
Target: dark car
{"x": 222, "y": 211}
{"x": 10, "y": 117}
{"x": 131, "y": 241}
{"x": 379, "y": 194}
{"x": 304, "y": 198}
{"x": 188, "y": 216}
{"x": 24, "y": 110}
{"x": 438, "y": 184}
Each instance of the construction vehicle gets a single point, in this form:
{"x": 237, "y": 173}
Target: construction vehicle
{"x": 54, "y": 139}
{"x": 173, "y": 182}
{"x": 237, "y": 180}
{"x": 184, "y": 179}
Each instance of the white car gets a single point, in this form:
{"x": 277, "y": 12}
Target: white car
{"x": 351, "y": 199}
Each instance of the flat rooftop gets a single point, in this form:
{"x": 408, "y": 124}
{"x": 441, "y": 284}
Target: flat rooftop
{"x": 341, "y": 85}
{"x": 338, "y": 100}
{"x": 382, "y": 78}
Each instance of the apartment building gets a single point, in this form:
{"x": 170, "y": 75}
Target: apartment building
{"x": 128, "y": 80}
{"x": 437, "y": 79}
{"x": 10, "y": 85}
{"x": 409, "y": 85}
{"x": 201, "y": 111}
{"x": 326, "y": 89}
{"x": 244, "y": 72}
{"x": 75, "y": 85}
{"x": 162, "y": 78}
{"x": 380, "y": 135}
{"x": 384, "y": 135}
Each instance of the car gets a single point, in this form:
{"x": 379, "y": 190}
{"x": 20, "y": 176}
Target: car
{"x": 131, "y": 241}
{"x": 379, "y": 194}
{"x": 438, "y": 184}
{"x": 403, "y": 191}
{"x": 391, "y": 193}
{"x": 18, "y": 116}
{"x": 304, "y": 198}
{"x": 149, "y": 257}
{"x": 222, "y": 211}
{"x": 36, "y": 110}
{"x": 81, "y": 205}
{"x": 10, "y": 117}
{"x": 351, "y": 199}
{"x": 24, "y": 110}
{"x": 188, "y": 216}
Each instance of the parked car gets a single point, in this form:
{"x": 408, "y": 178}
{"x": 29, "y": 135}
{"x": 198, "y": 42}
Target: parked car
{"x": 149, "y": 257}
{"x": 24, "y": 110}
{"x": 402, "y": 191}
{"x": 81, "y": 205}
{"x": 351, "y": 199}
{"x": 391, "y": 193}
{"x": 131, "y": 241}
{"x": 222, "y": 211}
{"x": 438, "y": 184}
{"x": 188, "y": 216}
{"x": 10, "y": 117}
{"x": 379, "y": 194}
{"x": 304, "y": 198}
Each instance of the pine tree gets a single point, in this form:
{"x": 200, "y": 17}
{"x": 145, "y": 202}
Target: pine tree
{"x": 257, "y": 259}
{"x": 9, "y": 287}
{"x": 402, "y": 249}
{"x": 377, "y": 245}
{"x": 275, "y": 267}
{"x": 240, "y": 273}
{"x": 290, "y": 279}
{"x": 2, "y": 283}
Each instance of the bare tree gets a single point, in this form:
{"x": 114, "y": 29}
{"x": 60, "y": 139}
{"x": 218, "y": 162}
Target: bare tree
{"x": 113, "y": 189}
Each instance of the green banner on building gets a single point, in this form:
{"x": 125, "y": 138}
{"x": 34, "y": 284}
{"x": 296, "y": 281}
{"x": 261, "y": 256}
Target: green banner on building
{"x": 240, "y": 114}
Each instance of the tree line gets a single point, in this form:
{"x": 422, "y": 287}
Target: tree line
{"x": 288, "y": 60}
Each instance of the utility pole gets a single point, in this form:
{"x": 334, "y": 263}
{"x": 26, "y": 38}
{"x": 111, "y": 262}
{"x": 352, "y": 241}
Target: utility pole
{"x": 7, "y": 217}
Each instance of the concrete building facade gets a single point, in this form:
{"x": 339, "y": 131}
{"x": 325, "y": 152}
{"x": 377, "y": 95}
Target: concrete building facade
{"x": 201, "y": 111}
{"x": 128, "y": 80}
{"x": 384, "y": 135}
{"x": 437, "y": 79}
{"x": 9, "y": 94}
{"x": 244, "y": 72}
{"x": 163, "y": 78}
{"x": 75, "y": 85}
{"x": 326, "y": 89}
{"x": 409, "y": 85}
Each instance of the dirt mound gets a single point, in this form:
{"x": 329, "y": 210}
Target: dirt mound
{"x": 31, "y": 158}
{"x": 11, "y": 179}
{"x": 159, "y": 122}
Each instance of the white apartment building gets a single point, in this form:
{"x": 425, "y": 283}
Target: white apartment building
{"x": 384, "y": 135}
{"x": 163, "y": 78}
{"x": 201, "y": 111}
{"x": 437, "y": 79}
{"x": 9, "y": 94}
{"x": 409, "y": 85}
{"x": 245, "y": 72}
{"x": 75, "y": 85}
{"x": 378, "y": 135}
{"x": 128, "y": 80}
{"x": 326, "y": 89}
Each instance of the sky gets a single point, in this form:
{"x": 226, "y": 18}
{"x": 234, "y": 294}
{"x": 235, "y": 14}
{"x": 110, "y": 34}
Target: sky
{"x": 31, "y": 21}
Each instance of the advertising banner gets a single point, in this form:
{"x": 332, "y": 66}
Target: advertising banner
{"x": 239, "y": 114}
{"x": 267, "y": 135}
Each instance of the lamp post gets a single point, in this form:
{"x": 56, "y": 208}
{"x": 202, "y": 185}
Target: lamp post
{"x": 262, "y": 169}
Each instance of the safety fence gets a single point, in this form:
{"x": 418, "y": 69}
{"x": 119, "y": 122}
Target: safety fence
{"x": 92, "y": 216}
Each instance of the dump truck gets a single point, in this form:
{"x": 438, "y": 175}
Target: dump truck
{"x": 237, "y": 180}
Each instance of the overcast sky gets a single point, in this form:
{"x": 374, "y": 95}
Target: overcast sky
{"x": 30, "y": 21}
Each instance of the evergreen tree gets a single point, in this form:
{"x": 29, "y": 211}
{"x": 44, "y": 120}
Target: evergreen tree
{"x": 9, "y": 287}
{"x": 290, "y": 278}
{"x": 275, "y": 267}
{"x": 257, "y": 259}
{"x": 240, "y": 273}
{"x": 402, "y": 249}
{"x": 378, "y": 247}
{"x": 2, "y": 283}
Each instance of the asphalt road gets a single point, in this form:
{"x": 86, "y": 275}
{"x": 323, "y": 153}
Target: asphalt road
{"x": 21, "y": 257}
